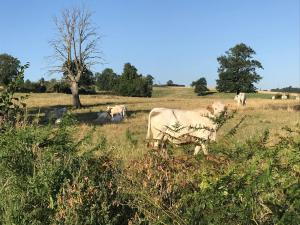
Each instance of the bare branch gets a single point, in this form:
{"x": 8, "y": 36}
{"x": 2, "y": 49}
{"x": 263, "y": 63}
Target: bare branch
{"x": 75, "y": 45}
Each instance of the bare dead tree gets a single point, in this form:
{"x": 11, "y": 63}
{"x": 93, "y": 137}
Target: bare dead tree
{"x": 75, "y": 47}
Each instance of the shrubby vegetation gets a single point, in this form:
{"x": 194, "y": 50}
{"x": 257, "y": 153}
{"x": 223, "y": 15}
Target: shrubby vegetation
{"x": 48, "y": 176}
{"x": 86, "y": 85}
{"x": 46, "y": 180}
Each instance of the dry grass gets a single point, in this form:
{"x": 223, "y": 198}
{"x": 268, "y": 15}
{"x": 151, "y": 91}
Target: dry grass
{"x": 262, "y": 113}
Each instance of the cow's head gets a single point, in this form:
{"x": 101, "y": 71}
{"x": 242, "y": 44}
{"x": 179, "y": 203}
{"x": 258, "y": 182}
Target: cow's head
{"x": 108, "y": 108}
{"x": 217, "y": 108}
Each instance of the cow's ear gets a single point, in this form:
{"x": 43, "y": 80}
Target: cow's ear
{"x": 210, "y": 109}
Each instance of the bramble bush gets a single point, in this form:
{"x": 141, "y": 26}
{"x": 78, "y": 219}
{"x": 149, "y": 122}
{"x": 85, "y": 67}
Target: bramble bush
{"x": 46, "y": 180}
{"x": 253, "y": 183}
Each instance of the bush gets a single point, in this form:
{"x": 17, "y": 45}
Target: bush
{"x": 254, "y": 183}
{"x": 12, "y": 108}
{"x": 44, "y": 179}
{"x": 62, "y": 87}
{"x": 90, "y": 90}
{"x": 34, "y": 87}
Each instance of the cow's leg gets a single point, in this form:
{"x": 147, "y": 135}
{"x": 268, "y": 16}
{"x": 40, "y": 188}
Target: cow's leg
{"x": 156, "y": 144}
{"x": 197, "y": 149}
{"x": 205, "y": 152}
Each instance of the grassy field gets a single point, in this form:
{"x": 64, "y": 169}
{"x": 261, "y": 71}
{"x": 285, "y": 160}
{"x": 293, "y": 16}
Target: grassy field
{"x": 129, "y": 136}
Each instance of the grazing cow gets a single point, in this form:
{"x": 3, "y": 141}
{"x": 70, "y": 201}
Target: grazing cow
{"x": 273, "y": 97}
{"x": 284, "y": 97}
{"x": 117, "y": 109}
{"x": 184, "y": 126}
{"x": 103, "y": 117}
{"x": 240, "y": 98}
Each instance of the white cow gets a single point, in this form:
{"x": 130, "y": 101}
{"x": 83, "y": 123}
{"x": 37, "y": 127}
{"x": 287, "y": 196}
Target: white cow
{"x": 184, "y": 126}
{"x": 273, "y": 97}
{"x": 240, "y": 98}
{"x": 298, "y": 97}
{"x": 103, "y": 117}
{"x": 117, "y": 109}
{"x": 284, "y": 97}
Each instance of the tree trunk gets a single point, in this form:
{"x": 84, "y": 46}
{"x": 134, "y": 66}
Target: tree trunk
{"x": 75, "y": 95}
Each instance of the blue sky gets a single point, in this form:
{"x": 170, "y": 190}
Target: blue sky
{"x": 169, "y": 39}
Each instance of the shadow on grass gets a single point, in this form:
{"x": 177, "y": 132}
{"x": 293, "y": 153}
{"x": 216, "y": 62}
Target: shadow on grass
{"x": 207, "y": 93}
{"x": 82, "y": 117}
{"x": 90, "y": 117}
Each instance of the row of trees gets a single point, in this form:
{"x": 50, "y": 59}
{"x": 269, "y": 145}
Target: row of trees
{"x": 289, "y": 89}
{"x": 129, "y": 83}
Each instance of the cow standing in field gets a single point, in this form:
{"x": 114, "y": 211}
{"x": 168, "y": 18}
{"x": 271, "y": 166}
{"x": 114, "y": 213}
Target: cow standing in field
{"x": 240, "y": 99}
{"x": 273, "y": 97}
{"x": 298, "y": 97}
{"x": 184, "y": 126}
{"x": 117, "y": 109}
{"x": 284, "y": 97}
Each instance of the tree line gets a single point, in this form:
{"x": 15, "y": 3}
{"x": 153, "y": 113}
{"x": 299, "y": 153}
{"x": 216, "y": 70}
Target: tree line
{"x": 288, "y": 89}
{"x": 129, "y": 83}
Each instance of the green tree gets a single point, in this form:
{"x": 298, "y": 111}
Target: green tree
{"x": 8, "y": 68}
{"x": 87, "y": 79}
{"x": 200, "y": 86}
{"x": 107, "y": 80}
{"x": 129, "y": 72}
{"x": 170, "y": 83}
{"x": 237, "y": 70}
{"x": 133, "y": 84}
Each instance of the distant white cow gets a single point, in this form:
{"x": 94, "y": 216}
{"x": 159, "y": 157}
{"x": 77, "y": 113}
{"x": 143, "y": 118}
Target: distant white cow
{"x": 240, "y": 98}
{"x": 184, "y": 126}
{"x": 298, "y": 97}
{"x": 117, "y": 109}
{"x": 273, "y": 97}
{"x": 103, "y": 117}
{"x": 284, "y": 97}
